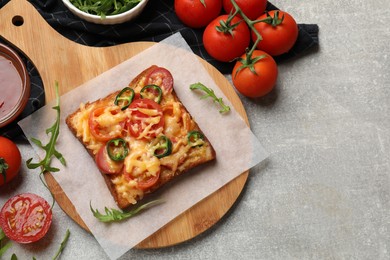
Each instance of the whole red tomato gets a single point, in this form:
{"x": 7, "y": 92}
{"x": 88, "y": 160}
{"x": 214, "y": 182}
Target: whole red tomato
{"x": 256, "y": 84}
{"x": 251, "y": 8}
{"x": 279, "y": 35}
{"x": 10, "y": 160}
{"x": 226, "y": 44}
{"x": 197, "y": 13}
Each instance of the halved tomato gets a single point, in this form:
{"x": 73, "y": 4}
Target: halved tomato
{"x": 102, "y": 132}
{"x": 25, "y": 218}
{"x": 105, "y": 164}
{"x": 146, "y": 119}
{"x": 162, "y": 78}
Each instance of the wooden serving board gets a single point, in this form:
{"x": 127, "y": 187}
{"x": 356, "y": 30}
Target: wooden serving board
{"x": 59, "y": 59}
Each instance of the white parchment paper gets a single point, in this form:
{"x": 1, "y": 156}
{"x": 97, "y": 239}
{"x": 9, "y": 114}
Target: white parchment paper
{"x": 237, "y": 148}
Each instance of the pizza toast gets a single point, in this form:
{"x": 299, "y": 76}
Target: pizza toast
{"x": 141, "y": 136}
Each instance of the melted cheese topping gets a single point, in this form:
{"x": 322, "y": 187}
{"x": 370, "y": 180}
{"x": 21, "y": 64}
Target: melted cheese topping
{"x": 80, "y": 120}
{"x": 141, "y": 160}
{"x": 127, "y": 189}
{"x": 147, "y": 123}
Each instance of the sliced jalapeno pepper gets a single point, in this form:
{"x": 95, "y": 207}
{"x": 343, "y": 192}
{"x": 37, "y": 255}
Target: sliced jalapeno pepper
{"x": 161, "y": 146}
{"x": 152, "y": 92}
{"x": 124, "y": 98}
{"x": 195, "y": 138}
{"x": 117, "y": 149}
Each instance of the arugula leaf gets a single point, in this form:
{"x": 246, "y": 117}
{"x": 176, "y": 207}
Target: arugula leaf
{"x": 104, "y": 8}
{"x": 114, "y": 215}
{"x": 210, "y": 93}
{"x": 50, "y": 146}
{"x": 63, "y": 244}
{"x": 4, "y": 247}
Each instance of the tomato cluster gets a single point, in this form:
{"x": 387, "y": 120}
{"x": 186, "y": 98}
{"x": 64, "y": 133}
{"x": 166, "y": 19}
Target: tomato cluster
{"x": 231, "y": 34}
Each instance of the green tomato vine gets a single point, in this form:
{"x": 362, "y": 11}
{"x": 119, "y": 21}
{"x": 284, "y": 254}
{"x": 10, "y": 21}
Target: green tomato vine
{"x": 249, "y": 61}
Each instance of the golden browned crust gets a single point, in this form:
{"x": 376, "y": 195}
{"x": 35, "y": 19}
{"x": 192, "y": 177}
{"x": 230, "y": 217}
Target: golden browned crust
{"x": 192, "y": 159}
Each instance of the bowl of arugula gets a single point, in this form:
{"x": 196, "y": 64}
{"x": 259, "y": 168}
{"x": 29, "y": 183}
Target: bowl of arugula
{"x": 106, "y": 11}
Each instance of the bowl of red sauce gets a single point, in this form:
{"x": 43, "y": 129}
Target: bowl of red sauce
{"x": 14, "y": 85}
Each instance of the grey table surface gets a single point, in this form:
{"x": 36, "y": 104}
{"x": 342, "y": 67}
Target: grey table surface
{"x": 324, "y": 191}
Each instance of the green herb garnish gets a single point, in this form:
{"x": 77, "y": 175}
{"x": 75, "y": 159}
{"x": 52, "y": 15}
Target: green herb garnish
{"x": 50, "y": 149}
{"x": 115, "y": 215}
{"x": 104, "y": 8}
{"x": 4, "y": 245}
{"x": 210, "y": 93}
{"x": 62, "y": 246}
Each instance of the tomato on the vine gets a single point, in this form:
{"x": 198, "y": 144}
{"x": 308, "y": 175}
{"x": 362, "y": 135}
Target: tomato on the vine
{"x": 279, "y": 33}
{"x": 197, "y": 13}
{"x": 251, "y": 8}
{"x": 256, "y": 84}
{"x": 10, "y": 160}
{"x": 25, "y": 218}
{"x": 226, "y": 41}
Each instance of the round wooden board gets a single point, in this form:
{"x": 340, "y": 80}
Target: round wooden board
{"x": 52, "y": 55}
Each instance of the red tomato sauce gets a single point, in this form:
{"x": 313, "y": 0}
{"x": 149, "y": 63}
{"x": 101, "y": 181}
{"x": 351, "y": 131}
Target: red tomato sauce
{"x": 11, "y": 87}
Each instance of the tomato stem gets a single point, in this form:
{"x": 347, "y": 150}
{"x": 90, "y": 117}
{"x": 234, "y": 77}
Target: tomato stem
{"x": 227, "y": 26}
{"x": 3, "y": 168}
{"x": 274, "y": 21}
{"x": 249, "y": 62}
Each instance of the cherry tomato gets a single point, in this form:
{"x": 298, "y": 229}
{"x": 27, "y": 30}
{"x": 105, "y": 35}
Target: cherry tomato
{"x": 146, "y": 119}
{"x": 144, "y": 182}
{"x": 196, "y": 14}
{"x": 10, "y": 160}
{"x": 142, "y": 167}
{"x": 251, "y": 8}
{"x": 256, "y": 84}
{"x": 102, "y": 133}
{"x": 224, "y": 46}
{"x": 162, "y": 78}
{"x": 25, "y": 218}
{"x": 277, "y": 39}
{"x": 105, "y": 164}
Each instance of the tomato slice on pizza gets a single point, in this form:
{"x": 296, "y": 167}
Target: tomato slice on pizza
{"x": 143, "y": 167}
{"x": 160, "y": 77}
{"x": 101, "y": 123}
{"x": 146, "y": 120}
{"x": 106, "y": 164}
